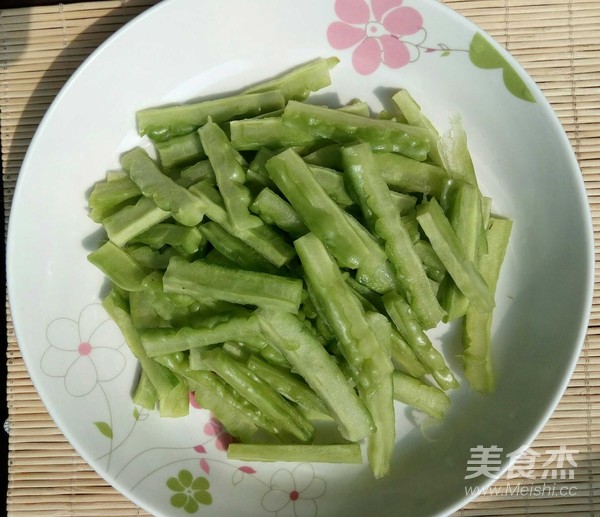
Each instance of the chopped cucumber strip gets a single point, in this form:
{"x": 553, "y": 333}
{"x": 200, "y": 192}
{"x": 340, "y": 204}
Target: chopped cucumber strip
{"x": 337, "y": 453}
{"x": 168, "y": 195}
{"x": 282, "y": 260}
{"x": 202, "y": 279}
{"x": 164, "y": 123}
{"x": 421, "y": 396}
{"x": 450, "y": 251}
{"x": 477, "y": 326}
{"x": 381, "y": 135}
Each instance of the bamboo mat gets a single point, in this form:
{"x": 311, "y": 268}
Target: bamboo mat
{"x": 557, "y": 41}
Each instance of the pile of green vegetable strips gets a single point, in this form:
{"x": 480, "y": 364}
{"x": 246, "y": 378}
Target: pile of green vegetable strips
{"x": 283, "y": 261}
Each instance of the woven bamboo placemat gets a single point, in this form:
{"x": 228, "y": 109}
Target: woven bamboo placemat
{"x": 555, "y": 40}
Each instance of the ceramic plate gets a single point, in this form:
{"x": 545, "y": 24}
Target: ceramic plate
{"x": 183, "y": 49}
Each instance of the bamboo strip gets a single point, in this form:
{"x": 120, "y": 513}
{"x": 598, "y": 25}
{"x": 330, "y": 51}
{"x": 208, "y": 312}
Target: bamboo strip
{"x": 554, "y": 40}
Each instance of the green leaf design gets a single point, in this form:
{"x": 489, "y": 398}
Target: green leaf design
{"x": 104, "y": 428}
{"x": 179, "y": 500}
{"x": 203, "y": 497}
{"x": 446, "y": 53}
{"x": 175, "y": 485}
{"x": 191, "y": 506}
{"x": 185, "y": 478}
{"x": 136, "y": 413}
{"x": 200, "y": 483}
{"x": 515, "y": 85}
{"x": 484, "y": 55}
{"x": 190, "y": 491}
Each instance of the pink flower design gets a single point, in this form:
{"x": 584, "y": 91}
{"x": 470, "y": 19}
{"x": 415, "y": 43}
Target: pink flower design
{"x": 294, "y": 493}
{"x": 240, "y": 472}
{"x": 384, "y": 32}
{"x": 222, "y": 438}
{"x": 84, "y": 351}
{"x": 193, "y": 401}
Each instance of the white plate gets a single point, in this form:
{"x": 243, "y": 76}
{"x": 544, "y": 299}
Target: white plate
{"x": 184, "y": 49}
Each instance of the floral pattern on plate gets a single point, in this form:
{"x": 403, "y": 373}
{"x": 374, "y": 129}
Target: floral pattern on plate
{"x": 88, "y": 353}
{"x": 389, "y": 33}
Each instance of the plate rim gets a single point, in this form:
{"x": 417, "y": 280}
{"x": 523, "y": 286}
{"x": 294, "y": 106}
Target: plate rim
{"x": 154, "y": 10}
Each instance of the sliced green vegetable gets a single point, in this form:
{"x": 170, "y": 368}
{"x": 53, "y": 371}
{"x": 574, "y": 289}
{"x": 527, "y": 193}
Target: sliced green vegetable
{"x": 301, "y": 81}
{"x": 421, "y": 396}
{"x": 161, "y": 378}
{"x": 202, "y": 279}
{"x": 152, "y": 304}
{"x": 168, "y": 195}
{"x": 149, "y": 258}
{"x": 310, "y": 360}
{"x": 431, "y": 262}
{"x": 338, "y": 453}
{"x": 404, "y": 357}
{"x": 324, "y": 217}
{"x": 143, "y": 314}
{"x": 164, "y": 123}
{"x": 106, "y": 195}
{"x": 375, "y": 199}
{"x": 477, "y": 327}
{"x": 133, "y": 220}
{"x": 454, "y": 153}
{"x": 404, "y": 203}
{"x": 145, "y": 394}
{"x": 357, "y": 107}
{"x": 214, "y": 330}
{"x": 176, "y": 403}
{"x": 413, "y": 115}
{"x": 264, "y": 239}
{"x": 372, "y": 298}
{"x": 337, "y": 303}
{"x": 287, "y": 384}
{"x": 235, "y": 249}
{"x": 240, "y": 418}
{"x": 285, "y": 416}
{"x": 180, "y": 150}
{"x": 381, "y": 135}
{"x": 118, "y": 266}
{"x": 257, "y": 177}
{"x": 450, "y": 251}
{"x": 272, "y": 133}
{"x": 200, "y": 171}
{"x": 386, "y": 221}
{"x": 272, "y": 209}
{"x": 465, "y": 215}
{"x": 187, "y": 239}
{"x": 326, "y": 155}
{"x": 408, "y": 176}
{"x": 269, "y": 133}
{"x": 230, "y": 176}
{"x": 410, "y": 329}
{"x": 380, "y": 445}
{"x": 333, "y": 183}
{"x": 378, "y": 398}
